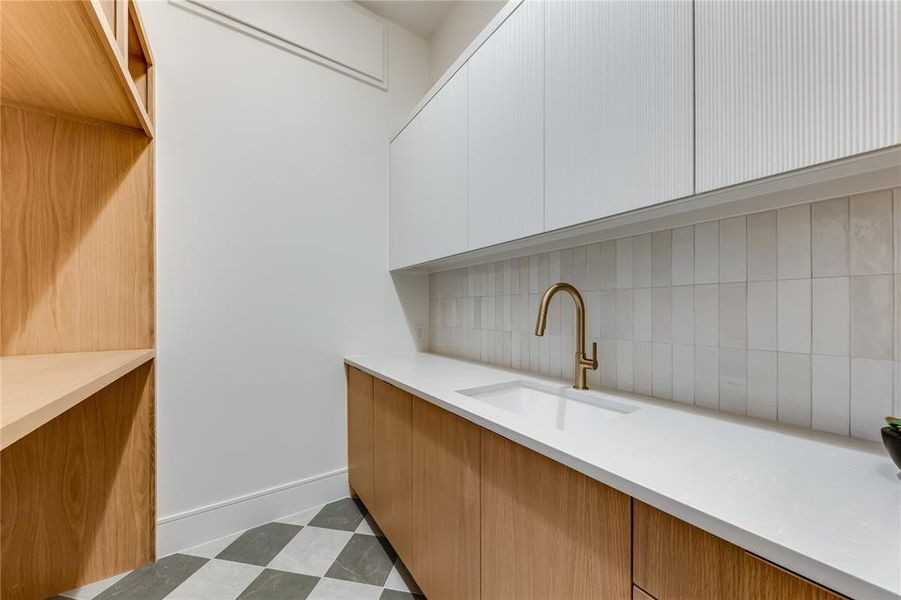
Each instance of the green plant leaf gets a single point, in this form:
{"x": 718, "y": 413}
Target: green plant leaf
{"x": 894, "y": 423}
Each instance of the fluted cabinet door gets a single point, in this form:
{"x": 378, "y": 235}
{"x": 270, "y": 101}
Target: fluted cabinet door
{"x": 618, "y": 107}
{"x": 506, "y": 130}
{"x": 784, "y": 85}
{"x": 428, "y": 180}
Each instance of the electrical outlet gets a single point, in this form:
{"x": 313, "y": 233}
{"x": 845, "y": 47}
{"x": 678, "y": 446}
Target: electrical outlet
{"x": 420, "y": 332}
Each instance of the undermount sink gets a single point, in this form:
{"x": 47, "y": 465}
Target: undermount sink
{"x": 561, "y": 407}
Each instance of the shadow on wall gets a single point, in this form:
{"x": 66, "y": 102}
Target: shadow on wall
{"x": 413, "y": 294}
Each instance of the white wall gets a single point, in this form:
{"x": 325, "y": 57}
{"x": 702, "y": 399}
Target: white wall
{"x": 272, "y": 263}
{"x": 461, "y": 25}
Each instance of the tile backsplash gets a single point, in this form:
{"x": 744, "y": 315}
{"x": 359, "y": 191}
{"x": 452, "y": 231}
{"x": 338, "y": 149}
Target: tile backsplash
{"x": 791, "y": 315}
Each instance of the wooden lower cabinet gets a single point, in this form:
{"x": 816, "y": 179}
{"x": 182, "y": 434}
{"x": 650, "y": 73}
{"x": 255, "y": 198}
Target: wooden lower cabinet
{"x": 673, "y": 560}
{"x": 549, "y": 531}
{"x": 446, "y": 496}
{"x": 359, "y": 434}
{"x": 392, "y": 464}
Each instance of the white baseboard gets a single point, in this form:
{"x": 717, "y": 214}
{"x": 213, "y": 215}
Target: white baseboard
{"x": 189, "y": 528}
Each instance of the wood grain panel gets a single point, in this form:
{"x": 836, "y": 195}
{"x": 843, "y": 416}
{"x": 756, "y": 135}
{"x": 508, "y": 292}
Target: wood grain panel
{"x": 674, "y": 560}
{"x": 392, "y": 464}
{"x": 359, "y": 434}
{"x": 763, "y": 580}
{"x": 446, "y": 536}
{"x": 639, "y": 594}
{"x": 78, "y": 494}
{"x": 549, "y": 531}
{"x": 76, "y": 237}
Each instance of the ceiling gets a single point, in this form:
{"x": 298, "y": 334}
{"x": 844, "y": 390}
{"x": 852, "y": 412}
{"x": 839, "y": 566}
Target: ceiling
{"x": 421, "y": 17}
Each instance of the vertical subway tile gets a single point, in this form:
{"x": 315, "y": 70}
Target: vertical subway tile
{"x": 794, "y": 389}
{"x": 568, "y": 355}
{"x": 794, "y": 315}
{"x": 641, "y": 261}
{"x": 762, "y": 246}
{"x": 642, "y": 368}
{"x": 793, "y": 241}
{"x": 897, "y": 391}
{"x": 830, "y": 241}
{"x": 733, "y": 315}
{"x": 734, "y": 380}
{"x": 534, "y": 274}
{"x": 642, "y": 311}
{"x": 566, "y": 266}
{"x": 555, "y": 263}
{"x": 580, "y": 267}
{"x": 896, "y": 219}
{"x": 607, "y": 278}
{"x": 624, "y": 263}
{"x": 607, "y": 306}
{"x": 897, "y": 316}
{"x": 662, "y": 258}
{"x": 593, "y": 313}
{"x": 707, "y": 308}
{"x": 830, "y": 316}
{"x": 733, "y": 249}
{"x": 683, "y": 314}
{"x": 762, "y": 384}
{"x": 871, "y": 316}
{"x": 662, "y": 371}
{"x": 831, "y": 382}
{"x": 871, "y": 233}
{"x": 762, "y": 315}
{"x": 707, "y": 252}
{"x": 624, "y": 314}
{"x": 871, "y": 396}
{"x": 593, "y": 266}
{"x": 662, "y": 326}
{"x": 624, "y": 365}
{"x": 707, "y": 377}
{"x": 607, "y": 366}
{"x": 684, "y": 374}
{"x": 683, "y": 250}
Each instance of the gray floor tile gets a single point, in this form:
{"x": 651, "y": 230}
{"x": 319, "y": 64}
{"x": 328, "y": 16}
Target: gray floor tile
{"x": 344, "y": 514}
{"x": 398, "y": 595}
{"x": 365, "y": 559}
{"x": 156, "y": 580}
{"x": 216, "y": 580}
{"x": 401, "y": 580}
{"x": 258, "y": 546}
{"x": 279, "y": 585}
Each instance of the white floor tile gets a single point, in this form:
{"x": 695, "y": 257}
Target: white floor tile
{"x": 213, "y": 548}
{"x": 400, "y": 579}
{"x": 335, "y": 589}
{"x": 216, "y": 580}
{"x": 312, "y": 551}
{"x": 88, "y": 592}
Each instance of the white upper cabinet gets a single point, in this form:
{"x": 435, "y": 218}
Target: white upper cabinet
{"x": 428, "y": 180}
{"x": 618, "y": 107}
{"x": 784, "y": 85}
{"x": 506, "y": 130}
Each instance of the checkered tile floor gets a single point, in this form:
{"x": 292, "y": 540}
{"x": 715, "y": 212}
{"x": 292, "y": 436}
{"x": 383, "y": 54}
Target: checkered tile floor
{"x": 334, "y": 551}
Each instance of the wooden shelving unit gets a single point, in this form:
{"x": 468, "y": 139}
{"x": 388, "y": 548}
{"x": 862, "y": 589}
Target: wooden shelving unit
{"x": 77, "y": 329}
{"x": 36, "y": 388}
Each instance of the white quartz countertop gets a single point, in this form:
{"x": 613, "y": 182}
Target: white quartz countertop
{"x": 826, "y": 507}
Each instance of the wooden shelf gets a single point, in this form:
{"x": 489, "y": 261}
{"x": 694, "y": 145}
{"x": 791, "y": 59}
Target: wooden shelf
{"x": 37, "y": 388}
{"x": 63, "y": 57}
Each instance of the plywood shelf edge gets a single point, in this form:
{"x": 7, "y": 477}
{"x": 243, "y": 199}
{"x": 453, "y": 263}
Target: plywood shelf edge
{"x": 34, "y": 389}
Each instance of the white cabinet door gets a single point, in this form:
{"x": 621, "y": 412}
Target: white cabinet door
{"x": 428, "y": 180}
{"x": 506, "y": 130}
{"x": 618, "y": 107}
{"x": 783, "y": 85}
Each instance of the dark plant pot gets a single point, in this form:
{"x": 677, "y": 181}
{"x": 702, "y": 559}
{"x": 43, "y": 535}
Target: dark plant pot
{"x": 892, "y": 441}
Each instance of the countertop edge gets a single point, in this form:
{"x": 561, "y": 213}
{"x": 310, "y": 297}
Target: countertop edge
{"x": 810, "y": 568}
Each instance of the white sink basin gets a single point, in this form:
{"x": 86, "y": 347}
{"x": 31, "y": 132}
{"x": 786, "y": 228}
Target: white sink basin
{"x": 560, "y": 407}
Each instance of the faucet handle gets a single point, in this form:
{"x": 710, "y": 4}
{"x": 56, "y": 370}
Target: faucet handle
{"x": 594, "y": 356}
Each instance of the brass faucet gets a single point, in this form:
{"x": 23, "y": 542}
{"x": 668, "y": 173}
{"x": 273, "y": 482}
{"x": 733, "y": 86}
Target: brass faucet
{"x": 583, "y": 363}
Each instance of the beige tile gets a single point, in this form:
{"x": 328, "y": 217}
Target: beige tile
{"x": 794, "y": 315}
{"x": 707, "y": 308}
{"x": 733, "y": 315}
{"x": 624, "y": 314}
{"x": 707, "y": 252}
{"x": 831, "y": 315}
{"x": 871, "y": 316}
{"x": 662, "y": 258}
{"x": 794, "y": 389}
{"x": 683, "y": 255}
{"x": 793, "y": 241}
{"x": 762, "y": 246}
{"x": 871, "y": 396}
{"x": 607, "y": 349}
{"x": 662, "y": 327}
{"x": 641, "y": 261}
{"x": 830, "y": 233}
{"x": 762, "y": 384}
{"x": 607, "y": 320}
{"x": 624, "y": 359}
{"x": 733, "y": 249}
{"x": 871, "y": 233}
{"x": 762, "y": 315}
{"x": 831, "y": 384}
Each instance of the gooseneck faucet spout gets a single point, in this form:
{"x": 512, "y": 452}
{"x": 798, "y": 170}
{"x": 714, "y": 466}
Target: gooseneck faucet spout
{"x": 583, "y": 363}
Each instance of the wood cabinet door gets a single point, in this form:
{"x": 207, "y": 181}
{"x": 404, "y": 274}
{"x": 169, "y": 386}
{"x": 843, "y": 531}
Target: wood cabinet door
{"x": 428, "y": 180}
{"x": 549, "y": 531}
{"x": 506, "y": 130}
{"x": 359, "y": 434}
{"x": 785, "y": 85}
{"x": 618, "y": 107}
{"x": 762, "y": 580}
{"x": 446, "y": 542}
{"x": 392, "y": 455}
